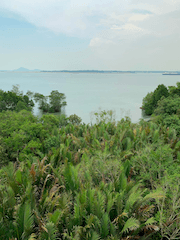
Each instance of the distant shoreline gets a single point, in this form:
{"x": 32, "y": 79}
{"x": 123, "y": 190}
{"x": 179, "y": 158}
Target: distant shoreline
{"x": 91, "y": 72}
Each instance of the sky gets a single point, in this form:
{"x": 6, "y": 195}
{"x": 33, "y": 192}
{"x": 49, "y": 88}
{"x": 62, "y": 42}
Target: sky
{"x": 93, "y": 34}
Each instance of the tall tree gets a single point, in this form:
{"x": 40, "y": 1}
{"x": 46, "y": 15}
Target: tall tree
{"x": 42, "y": 100}
{"x": 57, "y": 101}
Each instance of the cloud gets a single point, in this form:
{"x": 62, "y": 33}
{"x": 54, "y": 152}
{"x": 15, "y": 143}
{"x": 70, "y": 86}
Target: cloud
{"x": 117, "y": 34}
{"x": 138, "y": 17}
{"x": 156, "y": 6}
{"x": 128, "y": 28}
{"x": 63, "y": 16}
{"x": 88, "y": 18}
{"x": 96, "y": 42}
{"x": 114, "y": 28}
{"x": 141, "y": 11}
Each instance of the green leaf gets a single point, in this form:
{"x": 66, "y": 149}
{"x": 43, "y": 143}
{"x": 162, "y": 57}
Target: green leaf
{"x": 19, "y": 176}
{"x": 95, "y": 236}
{"x": 50, "y": 233}
{"x": 105, "y": 225}
{"x": 150, "y": 221}
{"x": 54, "y": 218}
{"x": 130, "y": 225}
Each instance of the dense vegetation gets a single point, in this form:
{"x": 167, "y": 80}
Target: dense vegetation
{"x": 15, "y": 100}
{"x": 164, "y": 105}
{"x": 55, "y": 104}
{"x": 61, "y": 179}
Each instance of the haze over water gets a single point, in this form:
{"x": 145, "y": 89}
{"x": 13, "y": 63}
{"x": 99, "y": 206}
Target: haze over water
{"x": 87, "y": 93}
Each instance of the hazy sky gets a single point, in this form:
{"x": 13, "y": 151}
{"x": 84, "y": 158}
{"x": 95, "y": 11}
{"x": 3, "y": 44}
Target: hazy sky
{"x": 91, "y": 34}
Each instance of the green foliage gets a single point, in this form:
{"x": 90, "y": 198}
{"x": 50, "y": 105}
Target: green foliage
{"x": 49, "y": 232}
{"x": 62, "y": 180}
{"x": 74, "y": 119}
{"x": 173, "y": 121}
{"x": 15, "y": 100}
{"x": 152, "y": 164}
{"x": 104, "y": 116}
{"x": 168, "y": 106}
{"x": 168, "y": 112}
{"x": 131, "y": 225}
{"x": 151, "y": 100}
{"x": 160, "y": 91}
{"x": 174, "y": 90}
{"x": 42, "y": 100}
{"x": 163, "y": 105}
{"x": 24, "y": 221}
{"x": 55, "y": 103}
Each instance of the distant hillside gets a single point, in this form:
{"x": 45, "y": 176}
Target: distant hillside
{"x": 21, "y": 69}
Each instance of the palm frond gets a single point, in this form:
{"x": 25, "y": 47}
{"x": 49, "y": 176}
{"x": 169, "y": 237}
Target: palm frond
{"x": 50, "y": 232}
{"x": 28, "y": 218}
{"x": 24, "y": 220}
{"x": 54, "y": 218}
{"x": 105, "y": 225}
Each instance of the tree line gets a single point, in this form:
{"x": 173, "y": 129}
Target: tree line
{"x": 15, "y": 100}
{"x": 164, "y": 105}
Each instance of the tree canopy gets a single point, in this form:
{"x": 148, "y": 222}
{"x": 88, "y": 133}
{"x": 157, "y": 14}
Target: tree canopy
{"x": 52, "y": 103}
{"x": 164, "y": 105}
{"x": 15, "y": 100}
{"x": 151, "y": 100}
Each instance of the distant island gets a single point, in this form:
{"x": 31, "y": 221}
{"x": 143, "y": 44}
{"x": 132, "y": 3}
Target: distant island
{"x": 87, "y": 71}
{"x": 22, "y": 69}
{"x": 100, "y": 71}
{"x": 108, "y": 71}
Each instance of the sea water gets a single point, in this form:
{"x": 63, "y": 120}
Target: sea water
{"x": 87, "y": 93}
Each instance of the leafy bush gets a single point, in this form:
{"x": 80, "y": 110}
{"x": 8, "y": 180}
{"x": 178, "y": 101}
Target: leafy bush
{"x": 151, "y": 100}
{"x": 15, "y": 101}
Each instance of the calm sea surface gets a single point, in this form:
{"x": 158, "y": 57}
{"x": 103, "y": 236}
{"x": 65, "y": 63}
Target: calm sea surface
{"x": 87, "y": 93}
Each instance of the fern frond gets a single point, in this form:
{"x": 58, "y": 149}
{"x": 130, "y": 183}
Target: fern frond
{"x": 130, "y": 225}
{"x": 150, "y": 224}
{"x": 122, "y": 182}
{"x": 150, "y": 221}
{"x": 95, "y": 236}
{"x": 124, "y": 214}
{"x": 157, "y": 194}
{"x": 134, "y": 197}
